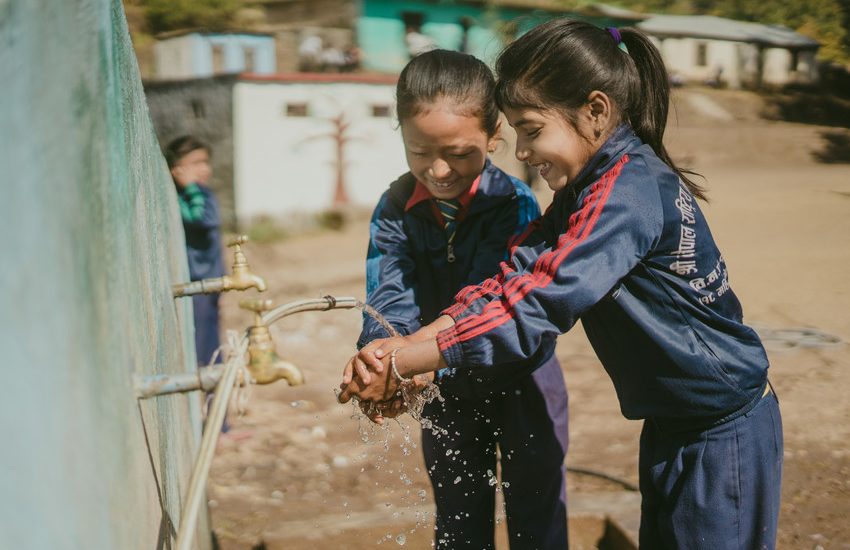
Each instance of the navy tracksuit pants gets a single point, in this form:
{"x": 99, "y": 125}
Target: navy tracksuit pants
{"x": 715, "y": 489}
{"x": 205, "y": 309}
{"x": 528, "y": 423}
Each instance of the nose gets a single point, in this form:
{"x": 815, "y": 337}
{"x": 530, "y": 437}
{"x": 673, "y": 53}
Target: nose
{"x": 440, "y": 169}
{"x": 522, "y": 154}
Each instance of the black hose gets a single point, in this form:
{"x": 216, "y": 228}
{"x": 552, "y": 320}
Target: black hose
{"x": 596, "y": 473}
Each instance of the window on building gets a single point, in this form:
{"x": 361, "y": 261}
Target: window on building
{"x": 702, "y": 54}
{"x": 218, "y": 58}
{"x": 380, "y": 111}
{"x": 296, "y": 109}
{"x": 249, "y": 60}
{"x": 794, "y": 62}
{"x": 197, "y": 108}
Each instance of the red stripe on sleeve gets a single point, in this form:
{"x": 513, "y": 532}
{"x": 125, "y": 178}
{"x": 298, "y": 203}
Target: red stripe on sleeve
{"x": 581, "y": 225}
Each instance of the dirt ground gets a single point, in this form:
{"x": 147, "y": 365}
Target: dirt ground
{"x": 304, "y": 478}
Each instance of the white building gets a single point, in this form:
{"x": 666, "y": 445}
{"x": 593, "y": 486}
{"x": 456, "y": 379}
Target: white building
{"x": 201, "y": 54}
{"x": 309, "y": 142}
{"x": 697, "y": 48}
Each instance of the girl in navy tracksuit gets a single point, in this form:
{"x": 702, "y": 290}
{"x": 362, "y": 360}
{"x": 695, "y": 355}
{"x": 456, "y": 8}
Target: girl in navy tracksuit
{"x": 626, "y": 249}
{"x": 444, "y": 225}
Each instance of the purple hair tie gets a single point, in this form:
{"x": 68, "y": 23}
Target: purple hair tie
{"x": 618, "y": 38}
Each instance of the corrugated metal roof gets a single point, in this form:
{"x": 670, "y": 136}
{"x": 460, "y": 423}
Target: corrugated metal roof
{"x": 591, "y": 9}
{"x": 709, "y": 26}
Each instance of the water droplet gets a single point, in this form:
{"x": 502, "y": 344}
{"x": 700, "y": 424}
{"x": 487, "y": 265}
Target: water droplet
{"x": 457, "y": 480}
{"x": 401, "y": 539}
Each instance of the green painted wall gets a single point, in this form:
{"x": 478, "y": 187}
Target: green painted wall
{"x": 91, "y": 243}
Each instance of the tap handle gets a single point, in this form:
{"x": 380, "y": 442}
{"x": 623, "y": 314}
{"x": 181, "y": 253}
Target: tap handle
{"x": 258, "y": 306}
{"x": 238, "y": 241}
{"x": 239, "y": 260}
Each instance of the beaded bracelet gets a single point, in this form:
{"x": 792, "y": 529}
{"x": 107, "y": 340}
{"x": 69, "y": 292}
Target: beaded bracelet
{"x": 401, "y": 379}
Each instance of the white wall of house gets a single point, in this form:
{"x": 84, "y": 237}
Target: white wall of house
{"x": 697, "y": 59}
{"x": 285, "y": 164}
{"x": 807, "y": 66}
{"x": 781, "y": 66}
{"x": 739, "y": 61}
{"x": 199, "y": 55}
{"x": 173, "y": 57}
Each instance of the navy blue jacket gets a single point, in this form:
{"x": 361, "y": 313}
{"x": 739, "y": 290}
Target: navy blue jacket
{"x": 626, "y": 249}
{"x": 410, "y": 280}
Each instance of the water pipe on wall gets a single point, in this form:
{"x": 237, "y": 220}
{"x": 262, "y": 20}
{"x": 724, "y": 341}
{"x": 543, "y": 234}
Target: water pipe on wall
{"x": 267, "y": 365}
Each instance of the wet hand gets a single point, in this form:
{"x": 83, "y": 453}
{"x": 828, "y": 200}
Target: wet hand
{"x": 377, "y": 412}
{"x": 367, "y": 357}
{"x": 382, "y": 386}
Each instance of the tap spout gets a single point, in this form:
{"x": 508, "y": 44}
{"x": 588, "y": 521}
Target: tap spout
{"x": 241, "y": 278}
{"x": 264, "y": 364}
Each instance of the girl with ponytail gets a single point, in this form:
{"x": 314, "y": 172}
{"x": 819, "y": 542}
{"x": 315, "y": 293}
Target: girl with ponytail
{"x": 626, "y": 249}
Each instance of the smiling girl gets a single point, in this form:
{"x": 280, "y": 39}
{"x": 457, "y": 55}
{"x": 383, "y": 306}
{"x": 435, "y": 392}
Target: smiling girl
{"x": 444, "y": 225}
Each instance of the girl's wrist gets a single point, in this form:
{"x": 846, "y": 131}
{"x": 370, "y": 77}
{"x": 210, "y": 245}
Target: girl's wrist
{"x": 419, "y": 358}
{"x": 394, "y": 368}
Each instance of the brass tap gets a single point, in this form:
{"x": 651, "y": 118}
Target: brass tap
{"x": 264, "y": 363}
{"x": 241, "y": 277}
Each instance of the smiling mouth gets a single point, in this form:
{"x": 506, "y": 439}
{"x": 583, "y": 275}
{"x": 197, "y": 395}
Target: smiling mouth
{"x": 543, "y": 168}
{"x": 441, "y": 184}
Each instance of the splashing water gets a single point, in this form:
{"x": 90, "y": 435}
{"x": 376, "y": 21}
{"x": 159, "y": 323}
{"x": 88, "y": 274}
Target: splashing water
{"x": 415, "y": 394}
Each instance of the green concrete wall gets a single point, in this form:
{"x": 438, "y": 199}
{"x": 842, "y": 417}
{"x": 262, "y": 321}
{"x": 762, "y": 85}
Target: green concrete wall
{"x": 91, "y": 244}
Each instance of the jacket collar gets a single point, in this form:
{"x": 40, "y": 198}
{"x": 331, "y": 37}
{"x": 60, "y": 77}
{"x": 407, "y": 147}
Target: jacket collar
{"x": 421, "y": 193}
{"x": 490, "y": 188}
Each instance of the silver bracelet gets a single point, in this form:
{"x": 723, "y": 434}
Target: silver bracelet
{"x": 401, "y": 379}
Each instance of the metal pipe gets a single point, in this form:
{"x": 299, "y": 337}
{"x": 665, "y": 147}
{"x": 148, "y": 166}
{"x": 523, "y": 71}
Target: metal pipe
{"x": 317, "y": 304}
{"x": 201, "y": 470}
{"x": 215, "y": 419}
{"x": 207, "y": 377}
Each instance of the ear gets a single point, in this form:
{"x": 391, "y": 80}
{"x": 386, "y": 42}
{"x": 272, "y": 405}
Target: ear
{"x": 598, "y": 111}
{"x": 495, "y": 138}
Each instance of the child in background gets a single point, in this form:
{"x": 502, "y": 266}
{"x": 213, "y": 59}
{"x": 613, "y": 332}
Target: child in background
{"x": 628, "y": 251}
{"x": 189, "y": 161}
{"x": 444, "y": 225}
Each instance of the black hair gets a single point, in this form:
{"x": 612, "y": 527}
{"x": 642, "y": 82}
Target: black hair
{"x": 556, "y": 66}
{"x": 182, "y": 146}
{"x": 457, "y": 77}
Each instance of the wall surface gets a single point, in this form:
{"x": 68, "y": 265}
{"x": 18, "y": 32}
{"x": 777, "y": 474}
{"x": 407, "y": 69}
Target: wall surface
{"x": 286, "y": 164}
{"x": 92, "y": 243}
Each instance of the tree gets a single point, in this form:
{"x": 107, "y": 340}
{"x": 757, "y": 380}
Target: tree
{"x": 166, "y": 15}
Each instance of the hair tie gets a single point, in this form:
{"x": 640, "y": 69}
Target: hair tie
{"x": 618, "y": 38}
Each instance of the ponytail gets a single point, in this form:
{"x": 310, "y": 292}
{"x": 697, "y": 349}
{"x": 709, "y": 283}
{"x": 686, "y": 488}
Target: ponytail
{"x": 647, "y": 112}
{"x": 557, "y": 64}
